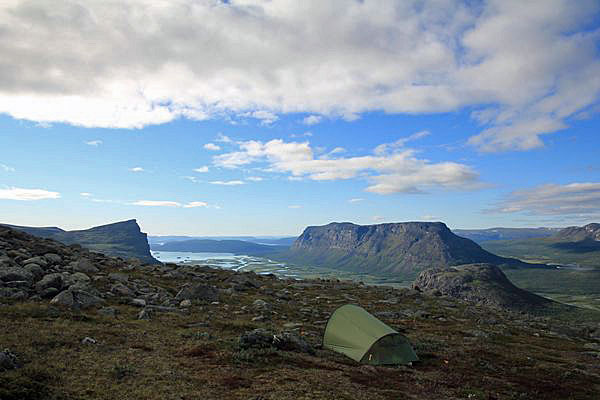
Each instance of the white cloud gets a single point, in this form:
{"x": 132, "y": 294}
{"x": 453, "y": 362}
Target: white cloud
{"x": 526, "y": 67}
{"x": 85, "y": 194}
{"x": 390, "y": 147}
{"x": 156, "y": 203}
{"x": 397, "y": 170}
{"x": 573, "y": 199}
{"x": 191, "y": 178}
{"x": 254, "y": 178}
{"x": 378, "y": 218}
{"x": 305, "y": 134}
{"x": 223, "y": 139}
{"x": 94, "y": 143}
{"x": 265, "y": 117}
{"x": 195, "y": 204}
{"x": 201, "y": 169}
{"x": 137, "y": 169}
{"x": 356, "y": 200}
{"x": 14, "y": 193}
{"x": 428, "y": 217}
{"x": 211, "y": 147}
{"x": 227, "y": 183}
{"x": 295, "y": 206}
{"x": 312, "y": 120}
{"x": 7, "y": 168}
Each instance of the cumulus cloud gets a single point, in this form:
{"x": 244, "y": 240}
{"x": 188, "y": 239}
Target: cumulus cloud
{"x": 355, "y": 200}
{"x": 201, "y": 169}
{"x": 212, "y": 147}
{"x": 14, "y": 193}
{"x": 85, "y": 194}
{"x": 577, "y": 199}
{"x": 312, "y": 120}
{"x": 137, "y": 169}
{"x": 94, "y": 143}
{"x": 254, "y": 178}
{"x": 525, "y": 68}
{"x": 6, "y": 168}
{"x": 395, "y": 171}
{"x": 223, "y": 139}
{"x": 227, "y": 183}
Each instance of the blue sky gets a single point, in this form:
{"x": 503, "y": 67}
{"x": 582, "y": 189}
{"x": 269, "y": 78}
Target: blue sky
{"x": 477, "y": 114}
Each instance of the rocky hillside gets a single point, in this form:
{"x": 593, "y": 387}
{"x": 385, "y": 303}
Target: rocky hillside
{"x": 484, "y": 235}
{"x": 121, "y": 239}
{"x": 589, "y": 232}
{"x": 399, "y": 249}
{"x": 482, "y": 284}
{"x": 82, "y": 325}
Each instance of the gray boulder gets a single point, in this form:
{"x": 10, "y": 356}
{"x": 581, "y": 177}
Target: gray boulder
{"x": 121, "y": 290}
{"x": 35, "y": 269}
{"x": 258, "y": 338}
{"x": 76, "y": 299}
{"x": 15, "y": 274}
{"x": 53, "y": 258}
{"x": 39, "y": 260}
{"x": 198, "y": 292}
{"x": 50, "y": 281}
{"x": 86, "y": 266}
{"x": 288, "y": 341}
{"x": 8, "y": 360}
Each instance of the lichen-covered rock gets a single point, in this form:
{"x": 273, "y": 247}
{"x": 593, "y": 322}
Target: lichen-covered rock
{"x": 15, "y": 274}
{"x": 85, "y": 265}
{"x": 54, "y": 280}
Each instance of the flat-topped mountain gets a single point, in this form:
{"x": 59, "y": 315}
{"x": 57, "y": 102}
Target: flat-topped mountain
{"x": 580, "y": 233}
{"x": 402, "y": 249}
{"x": 483, "y": 284}
{"x": 120, "y": 239}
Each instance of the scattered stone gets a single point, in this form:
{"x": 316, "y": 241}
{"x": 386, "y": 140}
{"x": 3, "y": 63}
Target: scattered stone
{"x": 138, "y": 302}
{"x": 8, "y": 360}
{"x": 15, "y": 274}
{"x": 291, "y": 342}
{"x": 54, "y": 280}
{"x": 88, "y": 340}
{"x": 198, "y": 292}
{"x": 258, "y": 338}
{"x": 108, "y": 311}
{"x": 64, "y": 299}
{"x": 76, "y": 299}
{"x": 260, "y": 318}
{"x": 85, "y": 265}
{"x": 41, "y": 261}
{"x": 145, "y": 314}
{"x": 121, "y": 290}
{"x": 53, "y": 258}
{"x": 49, "y": 293}
{"x": 185, "y": 303}
{"x": 262, "y": 305}
{"x": 119, "y": 277}
{"x": 293, "y": 325}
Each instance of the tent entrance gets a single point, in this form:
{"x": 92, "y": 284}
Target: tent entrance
{"x": 391, "y": 349}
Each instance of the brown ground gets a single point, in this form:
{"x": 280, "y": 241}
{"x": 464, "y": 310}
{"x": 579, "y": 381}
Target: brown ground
{"x": 466, "y": 352}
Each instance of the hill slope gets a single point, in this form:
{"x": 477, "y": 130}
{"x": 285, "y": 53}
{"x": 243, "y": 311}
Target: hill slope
{"x": 570, "y": 246}
{"x": 401, "y": 249}
{"x": 483, "y": 284}
{"x": 121, "y": 239}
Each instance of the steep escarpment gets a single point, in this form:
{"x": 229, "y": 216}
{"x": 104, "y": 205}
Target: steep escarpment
{"x": 402, "y": 249}
{"x": 121, "y": 239}
{"x": 483, "y": 284}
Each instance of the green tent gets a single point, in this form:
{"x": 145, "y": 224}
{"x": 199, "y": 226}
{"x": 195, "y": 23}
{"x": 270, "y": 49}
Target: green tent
{"x": 352, "y": 331}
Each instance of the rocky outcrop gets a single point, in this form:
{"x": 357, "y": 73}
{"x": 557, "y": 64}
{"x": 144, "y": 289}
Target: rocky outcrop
{"x": 121, "y": 239}
{"x": 483, "y": 284}
{"x": 399, "y": 249}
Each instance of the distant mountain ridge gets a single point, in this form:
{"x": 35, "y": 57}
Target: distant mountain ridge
{"x": 120, "y": 239}
{"x": 484, "y": 235}
{"x": 580, "y": 233}
{"x": 219, "y": 246}
{"x": 402, "y": 249}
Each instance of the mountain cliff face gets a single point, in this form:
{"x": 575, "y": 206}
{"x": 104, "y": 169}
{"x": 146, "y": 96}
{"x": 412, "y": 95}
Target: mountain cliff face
{"x": 589, "y": 232}
{"x": 483, "y": 284}
{"x": 121, "y": 239}
{"x": 402, "y": 249}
